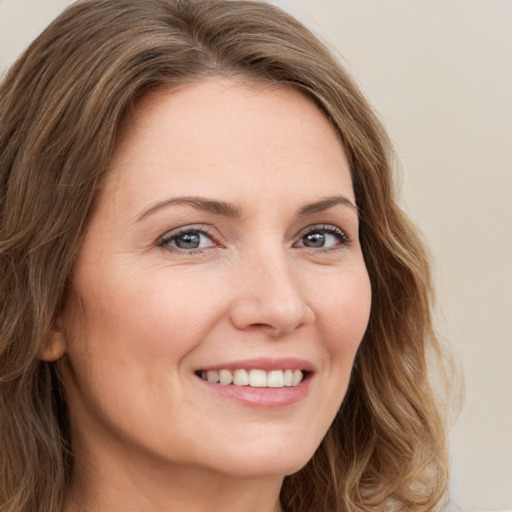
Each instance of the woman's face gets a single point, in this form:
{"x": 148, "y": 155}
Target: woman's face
{"x": 223, "y": 245}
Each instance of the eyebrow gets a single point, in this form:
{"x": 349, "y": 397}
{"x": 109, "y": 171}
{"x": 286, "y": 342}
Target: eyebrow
{"x": 325, "y": 204}
{"x": 199, "y": 203}
{"x": 230, "y": 210}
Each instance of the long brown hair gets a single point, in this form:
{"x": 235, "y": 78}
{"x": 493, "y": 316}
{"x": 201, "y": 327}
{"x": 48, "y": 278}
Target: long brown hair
{"x": 60, "y": 107}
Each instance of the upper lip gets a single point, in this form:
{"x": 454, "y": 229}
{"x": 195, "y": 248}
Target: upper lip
{"x": 262, "y": 363}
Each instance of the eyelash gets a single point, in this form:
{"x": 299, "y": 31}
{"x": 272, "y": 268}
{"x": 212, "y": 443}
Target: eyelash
{"x": 340, "y": 235}
{"x": 204, "y": 230}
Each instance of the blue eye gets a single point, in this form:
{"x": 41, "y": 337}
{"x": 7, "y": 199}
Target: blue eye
{"x": 322, "y": 237}
{"x": 187, "y": 240}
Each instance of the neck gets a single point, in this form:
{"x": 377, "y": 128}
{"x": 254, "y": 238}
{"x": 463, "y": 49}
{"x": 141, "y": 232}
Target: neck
{"x": 143, "y": 488}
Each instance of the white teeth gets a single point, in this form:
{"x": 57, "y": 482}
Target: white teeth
{"x": 275, "y": 379}
{"x": 212, "y": 376}
{"x": 241, "y": 378}
{"x": 297, "y": 377}
{"x": 225, "y": 377}
{"x": 258, "y": 378}
{"x": 255, "y": 378}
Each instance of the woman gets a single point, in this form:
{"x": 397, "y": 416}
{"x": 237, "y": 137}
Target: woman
{"x": 210, "y": 298}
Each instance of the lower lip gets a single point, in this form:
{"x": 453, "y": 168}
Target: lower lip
{"x": 264, "y": 398}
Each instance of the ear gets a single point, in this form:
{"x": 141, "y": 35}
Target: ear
{"x": 54, "y": 346}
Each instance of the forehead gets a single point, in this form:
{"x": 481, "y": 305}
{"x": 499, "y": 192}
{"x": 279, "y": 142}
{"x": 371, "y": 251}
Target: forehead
{"x": 220, "y": 132}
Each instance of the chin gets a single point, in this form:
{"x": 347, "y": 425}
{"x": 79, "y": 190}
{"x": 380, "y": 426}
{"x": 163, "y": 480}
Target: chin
{"x": 272, "y": 467}
{"x": 273, "y": 458}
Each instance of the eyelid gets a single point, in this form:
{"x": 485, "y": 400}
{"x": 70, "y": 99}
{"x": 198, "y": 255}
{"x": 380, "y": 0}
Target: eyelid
{"x": 206, "y": 230}
{"x": 203, "y": 229}
{"x": 326, "y": 228}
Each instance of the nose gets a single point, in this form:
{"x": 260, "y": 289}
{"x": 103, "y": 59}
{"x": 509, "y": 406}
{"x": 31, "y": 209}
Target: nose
{"x": 269, "y": 296}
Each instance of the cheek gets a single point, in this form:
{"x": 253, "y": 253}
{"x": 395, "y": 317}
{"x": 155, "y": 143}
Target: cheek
{"x": 128, "y": 338}
{"x": 146, "y": 314}
{"x": 342, "y": 315}
{"x": 343, "y": 307}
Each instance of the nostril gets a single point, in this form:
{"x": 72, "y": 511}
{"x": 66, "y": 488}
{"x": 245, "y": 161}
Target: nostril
{"x": 270, "y": 302}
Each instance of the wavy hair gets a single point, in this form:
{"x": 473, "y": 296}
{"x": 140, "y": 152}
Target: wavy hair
{"x": 60, "y": 108}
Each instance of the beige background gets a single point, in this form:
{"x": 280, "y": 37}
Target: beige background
{"x": 440, "y": 74}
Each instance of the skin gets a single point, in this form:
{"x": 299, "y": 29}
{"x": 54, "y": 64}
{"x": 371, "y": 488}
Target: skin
{"x": 145, "y": 314}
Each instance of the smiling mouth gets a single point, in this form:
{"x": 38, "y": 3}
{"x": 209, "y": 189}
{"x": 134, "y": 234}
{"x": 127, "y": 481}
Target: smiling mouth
{"x": 254, "y": 378}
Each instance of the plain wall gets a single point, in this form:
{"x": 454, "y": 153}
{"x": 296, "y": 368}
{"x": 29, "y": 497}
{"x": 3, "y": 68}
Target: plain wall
{"x": 440, "y": 74}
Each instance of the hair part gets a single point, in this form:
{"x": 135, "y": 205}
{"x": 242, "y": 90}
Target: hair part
{"x": 61, "y": 105}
